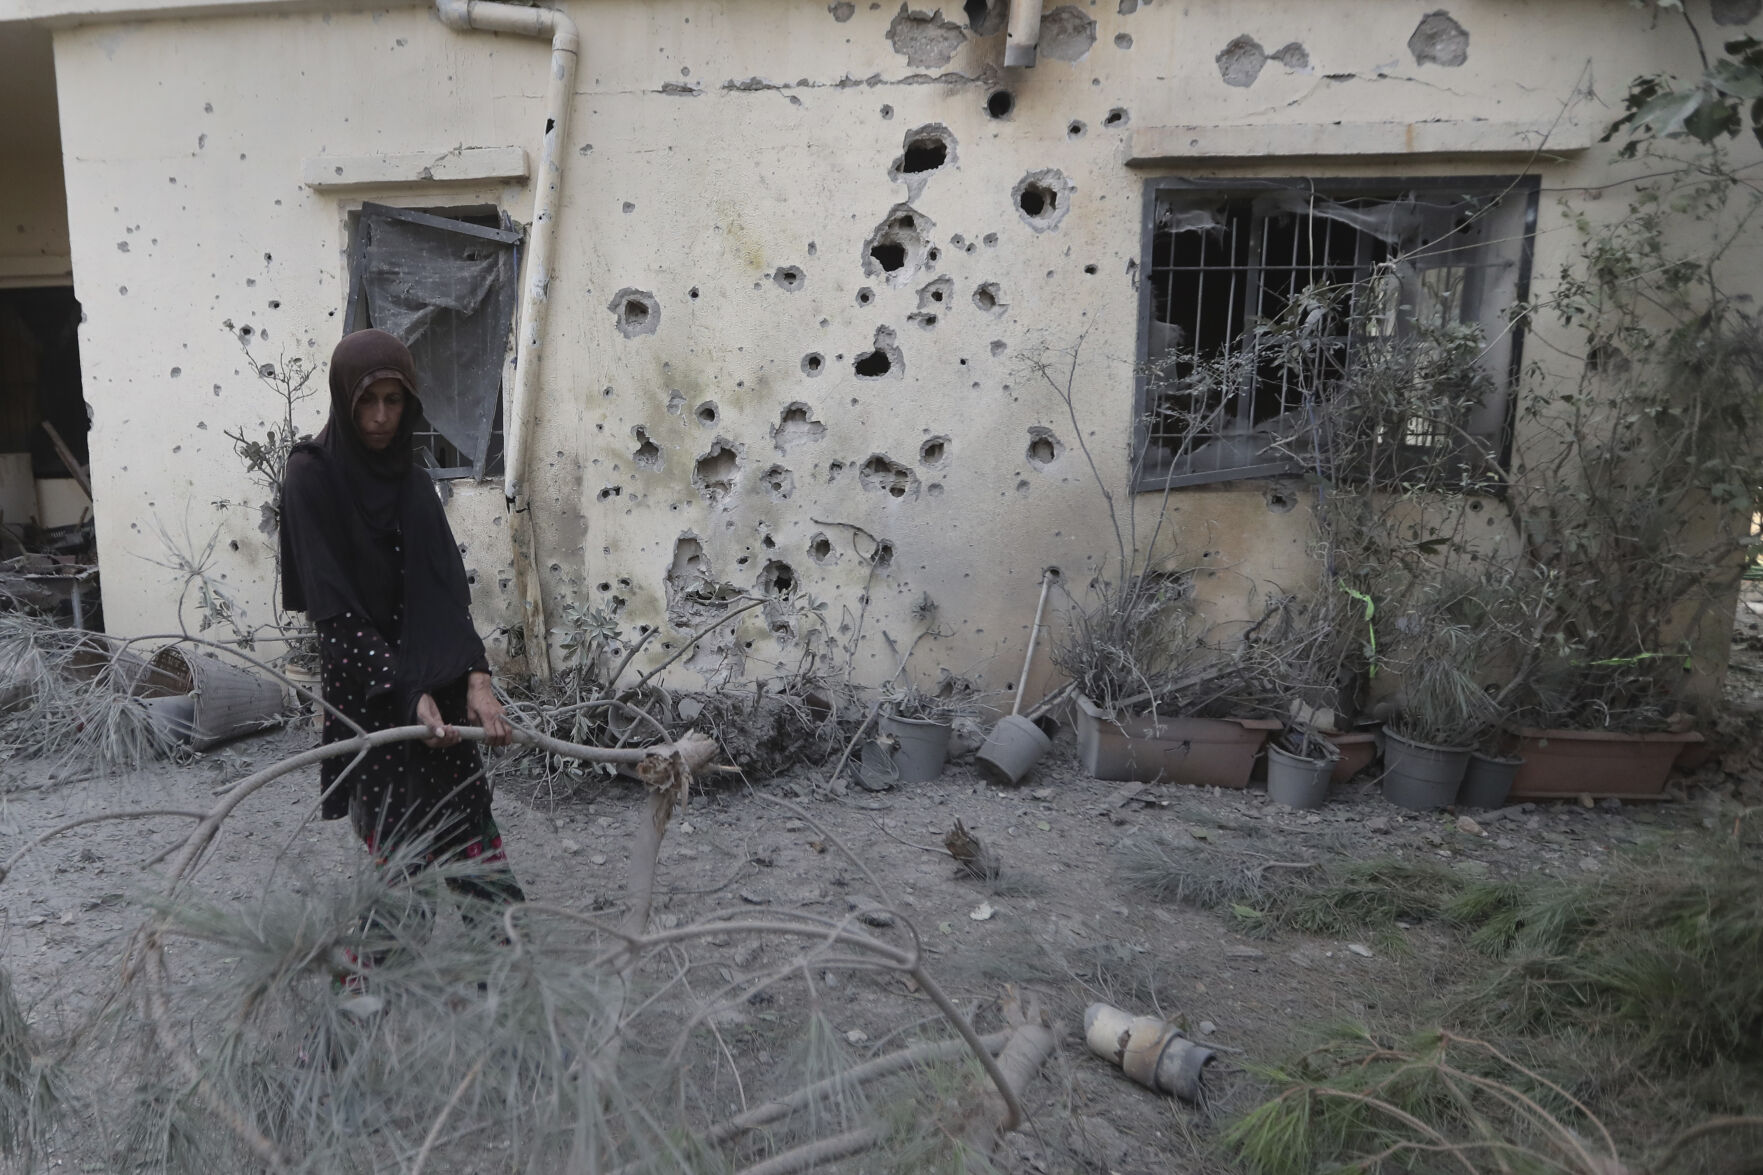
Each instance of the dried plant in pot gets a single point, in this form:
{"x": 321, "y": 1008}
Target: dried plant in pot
{"x": 1445, "y": 713}
{"x": 915, "y": 725}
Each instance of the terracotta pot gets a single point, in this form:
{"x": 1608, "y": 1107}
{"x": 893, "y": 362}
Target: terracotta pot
{"x": 1207, "y": 752}
{"x": 1357, "y": 750}
{"x": 1563, "y": 764}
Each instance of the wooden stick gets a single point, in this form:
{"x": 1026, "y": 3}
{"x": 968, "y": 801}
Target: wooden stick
{"x": 67, "y": 459}
{"x": 1034, "y": 634}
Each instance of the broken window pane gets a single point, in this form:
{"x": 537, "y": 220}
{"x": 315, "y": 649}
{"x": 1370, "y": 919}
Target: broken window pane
{"x": 1262, "y": 296}
{"x": 446, "y": 287}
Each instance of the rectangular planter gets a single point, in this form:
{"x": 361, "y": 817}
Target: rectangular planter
{"x": 1563, "y": 764}
{"x": 1358, "y": 748}
{"x": 1206, "y": 752}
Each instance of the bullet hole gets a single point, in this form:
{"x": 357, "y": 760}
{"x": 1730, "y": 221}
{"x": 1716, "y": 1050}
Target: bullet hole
{"x": 896, "y": 249}
{"x": 1439, "y": 40}
{"x": 767, "y": 541}
{"x": 997, "y": 347}
{"x": 883, "y": 558}
{"x": 1022, "y": 487}
{"x": 990, "y": 240}
{"x": 629, "y": 208}
{"x": 887, "y": 112}
{"x": 692, "y": 293}
{"x": 884, "y": 362}
{"x": 999, "y": 103}
{"x": 743, "y": 560}
{"x": 883, "y": 473}
{"x": 777, "y": 578}
{"x": 607, "y": 493}
{"x": 833, "y": 469}
{"x": 1043, "y": 447}
{"x": 1128, "y": 7}
{"x": 934, "y": 453}
{"x": 842, "y": 11}
{"x": 932, "y": 255}
{"x": 604, "y": 586}
{"x": 1116, "y": 118}
{"x": 865, "y": 296}
{"x": 922, "y": 321}
{"x": 676, "y": 402}
{"x": 988, "y": 296}
{"x": 1042, "y": 197}
{"x": 707, "y": 413}
{"x": 1067, "y": 34}
{"x": 636, "y": 312}
{"x": 625, "y": 583}
{"x": 714, "y": 473}
{"x": 934, "y": 489}
{"x": 811, "y": 249}
{"x": 176, "y": 371}
{"x": 693, "y": 594}
{"x": 789, "y": 278}
{"x": 779, "y": 482}
{"x": 927, "y": 148}
{"x": 820, "y": 549}
{"x": 648, "y": 454}
{"x": 986, "y": 17}
{"x": 813, "y": 363}
{"x": 936, "y": 295}
{"x": 1239, "y": 63}
{"x": 1076, "y": 129}
{"x": 924, "y": 39}
{"x": 1280, "y": 500}
{"x": 1123, "y": 40}
{"x": 1090, "y": 269}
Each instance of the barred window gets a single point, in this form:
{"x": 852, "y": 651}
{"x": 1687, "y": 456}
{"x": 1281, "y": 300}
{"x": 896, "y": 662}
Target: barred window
{"x": 443, "y": 281}
{"x": 1236, "y": 269}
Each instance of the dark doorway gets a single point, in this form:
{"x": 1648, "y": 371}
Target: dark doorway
{"x": 40, "y": 377}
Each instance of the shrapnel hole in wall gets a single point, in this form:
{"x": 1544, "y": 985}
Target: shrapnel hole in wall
{"x": 777, "y": 578}
{"x": 872, "y": 365}
{"x": 790, "y": 278}
{"x": 881, "y": 472}
{"x": 648, "y": 453}
{"x": 780, "y": 483}
{"x": 714, "y": 472}
{"x": 1043, "y": 447}
{"x": 812, "y": 363}
{"x": 820, "y": 548}
{"x": 986, "y": 296}
{"x": 1117, "y": 117}
{"x": 926, "y": 150}
{"x": 708, "y": 413}
{"x": 865, "y": 296}
{"x": 999, "y": 103}
{"x": 934, "y": 452}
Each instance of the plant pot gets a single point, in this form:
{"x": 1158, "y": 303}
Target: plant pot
{"x": 1563, "y": 764}
{"x": 229, "y": 701}
{"x": 1355, "y": 752}
{"x": 1419, "y": 775}
{"x": 922, "y": 747}
{"x": 1207, "y": 752}
{"x": 1295, "y": 781}
{"x": 1010, "y": 752}
{"x": 1487, "y": 781}
{"x": 302, "y": 693}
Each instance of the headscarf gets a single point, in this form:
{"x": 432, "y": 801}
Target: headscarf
{"x": 363, "y": 531}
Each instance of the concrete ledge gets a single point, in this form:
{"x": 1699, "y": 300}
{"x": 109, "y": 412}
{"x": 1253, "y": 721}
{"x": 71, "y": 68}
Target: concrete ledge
{"x": 66, "y": 13}
{"x": 1156, "y": 145}
{"x": 461, "y": 165}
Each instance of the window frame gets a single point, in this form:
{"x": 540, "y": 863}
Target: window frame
{"x": 1527, "y": 186}
{"x": 446, "y": 219}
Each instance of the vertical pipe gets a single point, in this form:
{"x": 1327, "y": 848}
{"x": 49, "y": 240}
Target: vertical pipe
{"x": 1023, "y": 35}
{"x": 535, "y": 299}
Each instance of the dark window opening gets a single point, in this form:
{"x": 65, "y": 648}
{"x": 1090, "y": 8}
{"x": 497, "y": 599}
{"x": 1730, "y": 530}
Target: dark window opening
{"x": 1369, "y": 266}
{"x": 445, "y": 282}
{"x": 40, "y": 378}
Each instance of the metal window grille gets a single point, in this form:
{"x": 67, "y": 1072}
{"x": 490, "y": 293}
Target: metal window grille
{"x": 445, "y": 284}
{"x": 1226, "y": 257}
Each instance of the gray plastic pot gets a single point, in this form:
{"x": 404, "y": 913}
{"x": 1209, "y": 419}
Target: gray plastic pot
{"x": 1295, "y": 781}
{"x": 1011, "y": 751}
{"x": 923, "y": 747}
{"x": 1421, "y": 776}
{"x": 1488, "y": 781}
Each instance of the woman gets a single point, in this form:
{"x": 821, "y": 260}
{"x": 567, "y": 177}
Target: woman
{"x": 367, "y": 554}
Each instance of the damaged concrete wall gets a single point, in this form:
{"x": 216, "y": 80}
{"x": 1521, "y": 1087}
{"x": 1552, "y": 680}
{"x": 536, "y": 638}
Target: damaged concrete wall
{"x": 810, "y": 256}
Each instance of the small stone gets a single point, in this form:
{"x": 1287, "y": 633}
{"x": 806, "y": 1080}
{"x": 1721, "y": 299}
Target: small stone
{"x": 1360, "y": 949}
{"x": 945, "y": 928}
{"x": 1243, "y": 953}
{"x": 1504, "y": 843}
{"x": 1041, "y": 793}
{"x": 828, "y": 978}
{"x": 981, "y": 912}
{"x": 751, "y": 898}
{"x": 1469, "y": 827}
{"x": 362, "y": 1006}
{"x": 1043, "y": 826}
{"x": 794, "y": 826}
{"x": 685, "y": 826}
{"x": 1610, "y": 804}
{"x": 603, "y": 821}
{"x": 1586, "y": 801}
{"x": 1207, "y": 1028}
{"x": 35, "y": 920}
{"x": 597, "y": 858}
{"x": 570, "y": 846}
{"x": 856, "y": 1036}
{"x": 1589, "y": 864}
{"x": 1378, "y": 824}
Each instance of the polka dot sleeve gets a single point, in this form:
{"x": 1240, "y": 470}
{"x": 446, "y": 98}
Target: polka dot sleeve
{"x": 355, "y": 647}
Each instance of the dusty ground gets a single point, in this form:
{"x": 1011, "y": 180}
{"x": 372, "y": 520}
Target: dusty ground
{"x": 1061, "y": 922}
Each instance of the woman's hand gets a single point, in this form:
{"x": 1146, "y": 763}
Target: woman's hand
{"x": 429, "y": 715}
{"x": 482, "y": 709}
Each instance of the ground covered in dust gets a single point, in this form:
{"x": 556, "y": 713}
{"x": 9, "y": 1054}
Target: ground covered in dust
{"x": 1062, "y": 922}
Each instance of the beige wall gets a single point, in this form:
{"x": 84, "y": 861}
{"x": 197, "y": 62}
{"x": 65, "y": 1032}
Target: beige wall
{"x": 711, "y": 144}
{"x": 33, "y": 210}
